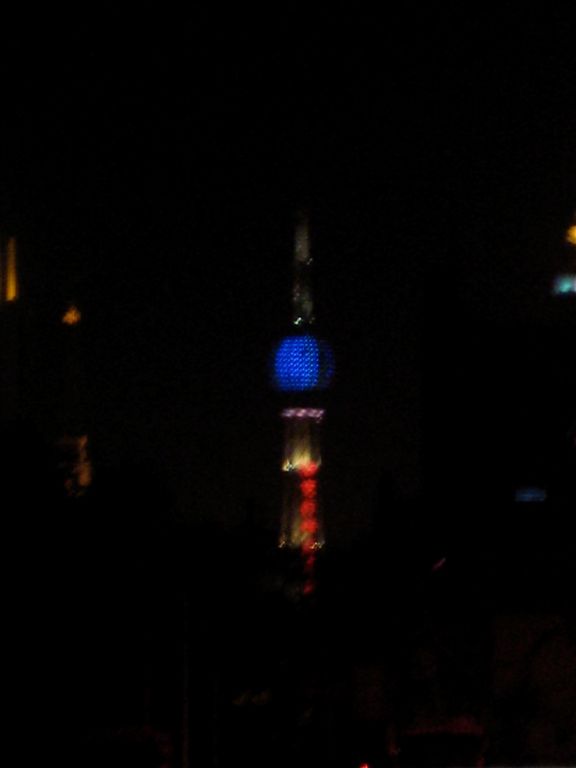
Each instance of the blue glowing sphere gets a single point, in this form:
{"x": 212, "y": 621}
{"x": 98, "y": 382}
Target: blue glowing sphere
{"x": 302, "y": 363}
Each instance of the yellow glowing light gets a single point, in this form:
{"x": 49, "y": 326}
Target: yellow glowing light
{"x": 299, "y": 457}
{"x": 84, "y": 469}
{"x": 72, "y": 316}
{"x": 571, "y": 235}
{"x": 75, "y": 463}
{"x": 11, "y": 272}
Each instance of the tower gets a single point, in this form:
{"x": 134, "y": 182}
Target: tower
{"x": 72, "y": 444}
{"x": 10, "y": 329}
{"x": 564, "y": 292}
{"x": 565, "y": 281}
{"x": 303, "y": 366}
{"x": 40, "y": 370}
{"x": 8, "y": 271}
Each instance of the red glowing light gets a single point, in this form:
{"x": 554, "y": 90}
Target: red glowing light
{"x": 308, "y": 587}
{"x": 308, "y": 470}
{"x": 309, "y": 526}
{"x": 308, "y": 488}
{"x": 309, "y": 563}
{"x": 308, "y": 509}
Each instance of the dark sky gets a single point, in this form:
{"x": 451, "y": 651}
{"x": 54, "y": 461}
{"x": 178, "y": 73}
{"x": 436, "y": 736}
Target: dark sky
{"x": 153, "y": 177}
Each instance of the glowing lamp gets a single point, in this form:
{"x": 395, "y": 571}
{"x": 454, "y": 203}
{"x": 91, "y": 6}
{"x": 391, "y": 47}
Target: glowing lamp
{"x": 302, "y": 363}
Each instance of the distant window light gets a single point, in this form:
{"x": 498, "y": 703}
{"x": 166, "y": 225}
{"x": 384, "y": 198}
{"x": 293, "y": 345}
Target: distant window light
{"x": 571, "y": 235}
{"x": 72, "y": 316}
{"x": 530, "y": 494}
{"x": 9, "y": 288}
{"x": 564, "y": 285}
{"x": 74, "y": 463}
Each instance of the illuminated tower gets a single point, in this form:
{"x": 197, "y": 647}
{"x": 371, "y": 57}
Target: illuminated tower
{"x": 565, "y": 281}
{"x": 564, "y": 291}
{"x": 8, "y": 271}
{"x": 10, "y": 329}
{"x": 303, "y": 367}
{"x": 48, "y": 390}
{"x": 72, "y": 445}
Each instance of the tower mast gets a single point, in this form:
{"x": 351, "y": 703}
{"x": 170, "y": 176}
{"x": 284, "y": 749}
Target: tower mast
{"x": 565, "y": 281}
{"x": 10, "y": 330}
{"x": 303, "y": 367}
{"x": 302, "y": 301}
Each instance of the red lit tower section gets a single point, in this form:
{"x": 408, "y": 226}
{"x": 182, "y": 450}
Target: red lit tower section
{"x": 303, "y": 368}
{"x": 301, "y": 519}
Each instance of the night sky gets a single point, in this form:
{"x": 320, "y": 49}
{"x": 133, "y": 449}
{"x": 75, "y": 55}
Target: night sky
{"x": 153, "y": 179}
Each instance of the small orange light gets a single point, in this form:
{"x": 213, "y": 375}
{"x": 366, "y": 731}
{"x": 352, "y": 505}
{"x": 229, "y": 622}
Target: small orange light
{"x": 72, "y": 316}
{"x": 11, "y": 271}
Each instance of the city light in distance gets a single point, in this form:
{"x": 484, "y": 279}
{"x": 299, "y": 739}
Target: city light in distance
{"x": 72, "y": 316}
{"x": 564, "y": 285}
{"x": 9, "y": 288}
{"x": 530, "y": 495}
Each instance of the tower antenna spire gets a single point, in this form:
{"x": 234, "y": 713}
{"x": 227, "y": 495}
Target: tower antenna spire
{"x": 302, "y": 300}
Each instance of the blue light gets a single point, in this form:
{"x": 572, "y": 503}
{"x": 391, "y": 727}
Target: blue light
{"x": 302, "y": 363}
{"x": 564, "y": 285}
{"x": 530, "y": 494}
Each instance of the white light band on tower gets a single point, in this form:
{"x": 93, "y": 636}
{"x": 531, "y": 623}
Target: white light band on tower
{"x": 303, "y": 413}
